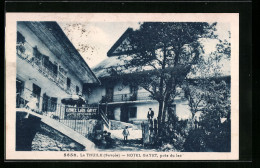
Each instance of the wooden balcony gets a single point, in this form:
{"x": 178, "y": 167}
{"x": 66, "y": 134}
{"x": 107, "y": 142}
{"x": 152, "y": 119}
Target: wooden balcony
{"x": 25, "y": 52}
{"x": 128, "y": 97}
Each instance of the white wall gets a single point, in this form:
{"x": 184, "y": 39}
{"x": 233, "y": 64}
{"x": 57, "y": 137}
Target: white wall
{"x": 33, "y": 40}
{"x": 182, "y": 107}
{"x": 117, "y": 113}
{"x": 142, "y": 110}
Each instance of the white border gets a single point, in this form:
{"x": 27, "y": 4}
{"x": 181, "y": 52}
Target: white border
{"x": 10, "y": 62}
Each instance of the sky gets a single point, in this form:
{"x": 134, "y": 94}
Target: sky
{"x": 94, "y": 39}
{"x": 100, "y": 36}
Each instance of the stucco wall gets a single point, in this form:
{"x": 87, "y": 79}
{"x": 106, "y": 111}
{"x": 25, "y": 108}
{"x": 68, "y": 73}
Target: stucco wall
{"x": 182, "y": 107}
{"x": 33, "y": 41}
{"x": 30, "y": 76}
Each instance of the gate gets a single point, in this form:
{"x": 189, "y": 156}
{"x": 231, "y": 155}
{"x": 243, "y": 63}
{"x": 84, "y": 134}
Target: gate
{"x": 149, "y": 131}
{"x": 78, "y": 118}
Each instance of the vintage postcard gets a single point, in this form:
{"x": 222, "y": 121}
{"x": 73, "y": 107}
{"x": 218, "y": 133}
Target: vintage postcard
{"x": 122, "y": 86}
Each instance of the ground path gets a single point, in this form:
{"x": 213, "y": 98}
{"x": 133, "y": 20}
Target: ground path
{"x": 134, "y": 142}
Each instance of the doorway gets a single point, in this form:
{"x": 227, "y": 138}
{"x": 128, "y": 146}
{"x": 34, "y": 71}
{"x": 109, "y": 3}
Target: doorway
{"x": 20, "y": 102}
{"x": 37, "y": 93}
{"x": 124, "y": 117}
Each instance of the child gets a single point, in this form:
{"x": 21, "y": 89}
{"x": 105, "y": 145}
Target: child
{"x": 125, "y": 133}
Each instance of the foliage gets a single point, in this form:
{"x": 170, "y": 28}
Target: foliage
{"x": 212, "y": 98}
{"x": 213, "y": 135}
{"x": 162, "y": 54}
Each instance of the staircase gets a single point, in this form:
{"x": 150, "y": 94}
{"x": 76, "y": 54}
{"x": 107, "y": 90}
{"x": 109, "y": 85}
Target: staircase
{"x": 64, "y": 129}
{"x": 104, "y": 118}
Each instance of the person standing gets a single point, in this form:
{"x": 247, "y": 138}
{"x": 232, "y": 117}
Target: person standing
{"x": 150, "y": 114}
{"x": 125, "y": 133}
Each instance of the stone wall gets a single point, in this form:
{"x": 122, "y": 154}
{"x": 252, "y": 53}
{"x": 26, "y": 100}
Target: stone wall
{"x": 48, "y": 139}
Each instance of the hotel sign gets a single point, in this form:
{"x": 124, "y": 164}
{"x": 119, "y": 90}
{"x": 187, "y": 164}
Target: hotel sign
{"x": 80, "y": 113}
{"x": 81, "y": 109}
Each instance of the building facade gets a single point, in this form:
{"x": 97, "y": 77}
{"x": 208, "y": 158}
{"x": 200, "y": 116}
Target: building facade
{"x": 49, "y": 68}
{"x": 121, "y": 101}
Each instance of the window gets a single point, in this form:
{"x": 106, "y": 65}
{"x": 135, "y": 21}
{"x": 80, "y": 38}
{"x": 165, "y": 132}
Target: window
{"x": 77, "y": 90}
{"x": 53, "y": 104}
{"x": 68, "y": 83}
{"x": 132, "y": 112}
{"x": 109, "y": 93}
{"x": 49, "y": 104}
{"x": 19, "y": 86}
{"x": 133, "y": 91}
{"x": 55, "y": 69}
{"x": 20, "y": 38}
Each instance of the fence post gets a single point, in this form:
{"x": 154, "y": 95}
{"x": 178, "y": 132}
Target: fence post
{"x": 145, "y": 133}
{"x": 76, "y": 119}
{"x": 155, "y": 126}
{"x": 60, "y": 112}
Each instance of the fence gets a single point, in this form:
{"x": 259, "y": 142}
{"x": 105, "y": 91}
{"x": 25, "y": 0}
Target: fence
{"x": 77, "y": 118}
{"x": 149, "y": 131}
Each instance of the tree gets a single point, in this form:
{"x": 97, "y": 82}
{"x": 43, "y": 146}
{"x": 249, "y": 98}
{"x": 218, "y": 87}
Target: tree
{"x": 211, "y": 95}
{"x": 162, "y": 54}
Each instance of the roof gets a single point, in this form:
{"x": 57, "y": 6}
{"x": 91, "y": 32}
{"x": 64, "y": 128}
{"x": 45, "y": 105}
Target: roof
{"x": 117, "y": 62}
{"x": 58, "y": 43}
{"x": 100, "y": 70}
{"x": 116, "y": 59}
{"x": 111, "y": 52}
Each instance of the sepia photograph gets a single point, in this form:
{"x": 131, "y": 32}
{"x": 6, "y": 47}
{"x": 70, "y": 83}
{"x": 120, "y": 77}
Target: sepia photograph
{"x": 143, "y": 86}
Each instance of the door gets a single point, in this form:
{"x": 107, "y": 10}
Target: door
{"x": 45, "y": 102}
{"x": 37, "y": 93}
{"x": 124, "y": 113}
{"x": 20, "y": 102}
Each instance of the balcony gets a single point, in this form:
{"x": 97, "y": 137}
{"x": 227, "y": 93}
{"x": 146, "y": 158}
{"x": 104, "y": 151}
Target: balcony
{"x": 26, "y": 52}
{"x": 140, "y": 96}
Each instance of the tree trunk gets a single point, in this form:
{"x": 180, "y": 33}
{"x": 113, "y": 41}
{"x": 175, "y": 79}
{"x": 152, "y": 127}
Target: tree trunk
{"x": 193, "y": 120}
{"x": 164, "y": 111}
{"x": 160, "y": 116}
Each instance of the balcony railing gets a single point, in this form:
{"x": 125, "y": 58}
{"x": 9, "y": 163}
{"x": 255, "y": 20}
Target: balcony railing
{"x": 127, "y": 97}
{"x": 25, "y": 52}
